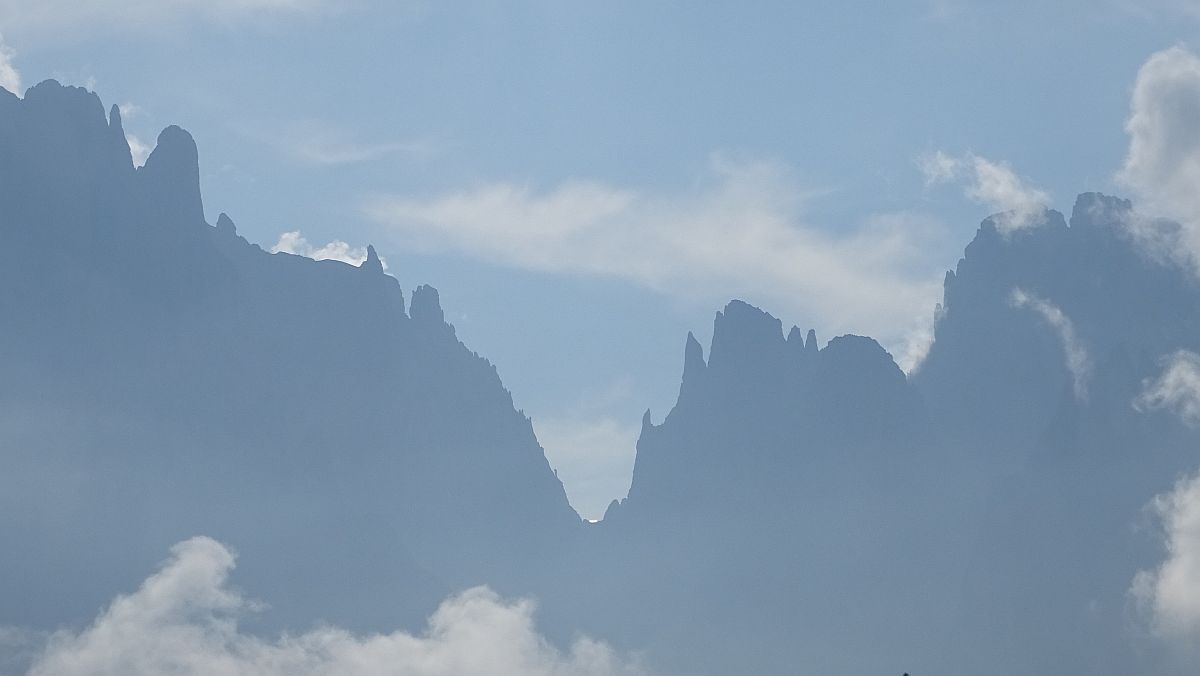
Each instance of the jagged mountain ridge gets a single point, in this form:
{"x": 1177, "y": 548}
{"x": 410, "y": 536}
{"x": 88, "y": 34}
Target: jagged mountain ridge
{"x": 799, "y": 504}
{"x": 290, "y": 407}
{"x": 994, "y": 500}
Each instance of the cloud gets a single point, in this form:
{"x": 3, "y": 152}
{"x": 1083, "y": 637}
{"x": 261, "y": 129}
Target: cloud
{"x": 1078, "y": 361}
{"x": 1162, "y": 165}
{"x": 1177, "y": 389}
{"x": 294, "y": 243}
{"x": 53, "y": 18}
{"x": 738, "y": 233}
{"x": 334, "y": 152}
{"x": 330, "y": 148}
{"x": 10, "y": 78}
{"x": 138, "y": 149}
{"x": 1169, "y": 595}
{"x": 993, "y": 184}
{"x": 320, "y": 143}
{"x": 592, "y": 456}
{"x": 184, "y": 620}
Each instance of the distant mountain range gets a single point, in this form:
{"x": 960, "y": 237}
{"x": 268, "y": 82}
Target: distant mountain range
{"x": 801, "y": 509}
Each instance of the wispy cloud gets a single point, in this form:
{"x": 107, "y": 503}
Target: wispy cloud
{"x": 10, "y": 78}
{"x": 1077, "y": 360}
{"x": 1176, "y": 389}
{"x": 295, "y": 243}
{"x": 740, "y": 233}
{"x": 184, "y": 620}
{"x": 322, "y": 143}
{"x": 993, "y": 184}
{"x": 1170, "y": 594}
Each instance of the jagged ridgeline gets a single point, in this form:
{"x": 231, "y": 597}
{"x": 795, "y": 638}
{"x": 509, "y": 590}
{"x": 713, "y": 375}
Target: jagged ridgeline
{"x": 161, "y": 378}
{"x": 806, "y": 507}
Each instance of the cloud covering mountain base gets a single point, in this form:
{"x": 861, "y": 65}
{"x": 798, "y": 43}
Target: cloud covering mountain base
{"x": 183, "y": 620}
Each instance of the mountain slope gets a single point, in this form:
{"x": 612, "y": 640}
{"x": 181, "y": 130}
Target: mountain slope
{"x": 162, "y": 377}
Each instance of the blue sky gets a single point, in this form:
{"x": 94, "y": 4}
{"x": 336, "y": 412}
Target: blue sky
{"x": 586, "y": 182}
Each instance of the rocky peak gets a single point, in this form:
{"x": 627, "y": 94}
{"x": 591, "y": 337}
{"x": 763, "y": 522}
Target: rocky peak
{"x": 1093, "y": 208}
{"x": 744, "y": 335}
{"x": 373, "y": 264}
{"x": 225, "y": 224}
{"x": 171, "y": 177}
{"x": 426, "y": 306}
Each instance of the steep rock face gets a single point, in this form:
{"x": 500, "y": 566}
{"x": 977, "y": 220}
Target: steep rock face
{"x": 996, "y": 375}
{"x": 1046, "y": 339}
{"x": 160, "y": 378}
{"x": 784, "y": 477}
{"x": 981, "y": 517}
{"x": 762, "y": 412}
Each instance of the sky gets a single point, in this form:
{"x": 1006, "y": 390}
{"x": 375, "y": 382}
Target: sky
{"x": 586, "y": 182}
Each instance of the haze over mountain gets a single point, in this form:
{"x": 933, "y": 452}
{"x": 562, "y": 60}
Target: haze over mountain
{"x": 804, "y": 506}
{"x": 165, "y": 378}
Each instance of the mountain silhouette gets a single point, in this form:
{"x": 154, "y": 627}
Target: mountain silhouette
{"x": 163, "y": 377}
{"x": 804, "y": 506}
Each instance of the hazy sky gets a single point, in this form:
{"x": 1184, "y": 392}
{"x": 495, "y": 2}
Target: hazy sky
{"x": 585, "y": 182}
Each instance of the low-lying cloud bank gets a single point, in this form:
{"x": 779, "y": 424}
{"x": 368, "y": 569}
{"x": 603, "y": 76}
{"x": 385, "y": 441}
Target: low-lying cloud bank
{"x": 184, "y": 621}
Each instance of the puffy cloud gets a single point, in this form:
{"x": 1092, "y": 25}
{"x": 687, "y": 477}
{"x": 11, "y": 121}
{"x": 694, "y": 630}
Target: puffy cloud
{"x": 294, "y": 243}
{"x": 739, "y": 233}
{"x": 1169, "y": 595}
{"x": 1078, "y": 361}
{"x": 993, "y": 184}
{"x": 183, "y": 620}
{"x": 10, "y": 79}
{"x": 1162, "y": 165}
{"x": 1177, "y": 389}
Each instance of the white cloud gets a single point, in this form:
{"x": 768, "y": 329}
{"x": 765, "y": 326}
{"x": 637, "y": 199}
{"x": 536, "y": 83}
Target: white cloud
{"x": 993, "y": 184}
{"x": 335, "y": 152}
{"x": 592, "y": 456}
{"x": 129, "y": 111}
{"x": 331, "y": 148}
{"x": 1078, "y": 361}
{"x": 737, "y": 234}
{"x": 1170, "y": 594}
{"x": 1177, "y": 389}
{"x": 321, "y": 143}
{"x": 1162, "y": 166}
{"x": 138, "y": 149}
{"x": 294, "y": 243}
{"x": 10, "y": 78}
{"x": 183, "y": 620}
